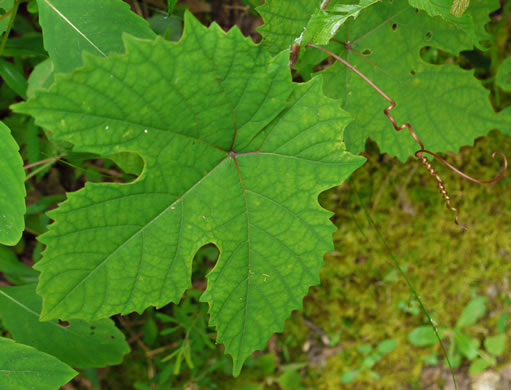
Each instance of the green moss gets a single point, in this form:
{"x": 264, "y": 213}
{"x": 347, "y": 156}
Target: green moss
{"x": 362, "y": 292}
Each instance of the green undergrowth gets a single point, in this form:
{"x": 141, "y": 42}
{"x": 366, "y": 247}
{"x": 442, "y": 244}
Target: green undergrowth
{"x": 362, "y": 293}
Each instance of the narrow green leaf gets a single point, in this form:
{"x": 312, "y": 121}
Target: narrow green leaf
{"x": 13, "y": 77}
{"x": 12, "y": 190}
{"x": 81, "y": 344}
{"x": 235, "y": 154}
{"x": 15, "y": 271}
{"x": 496, "y": 345}
{"x": 171, "y": 5}
{"x": 23, "y": 367}
{"x": 94, "y": 26}
{"x": 28, "y": 45}
{"x": 41, "y": 77}
{"x": 474, "y": 310}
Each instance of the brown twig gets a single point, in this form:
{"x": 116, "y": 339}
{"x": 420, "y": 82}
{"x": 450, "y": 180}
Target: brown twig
{"x": 325, "y": 4}
{"x": 47, "y": 160}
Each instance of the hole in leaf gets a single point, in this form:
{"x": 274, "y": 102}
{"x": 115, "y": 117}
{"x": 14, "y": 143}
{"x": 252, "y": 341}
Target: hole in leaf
{"x": 63, "y": 324}
{"x": 204, "y": 260}
{"x": 367, "y": 52}
{"x": 394, "y": 27}
{"x": 428, "y": 36}
{"x": 434, "y": 56}
{"x": 118, "y": 168}
{"x": 412, "y": 72}
{"x": 129, "y": 163}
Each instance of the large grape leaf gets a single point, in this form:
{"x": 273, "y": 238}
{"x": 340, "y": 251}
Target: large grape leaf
{"x": 23, "y": 367}
{"x": 80, "y": 344}
{"x": 12, "y": 190}
{"x": 446, "y": 105}
{"x": 235, "y": 154}
{"x": 472, "y": 21}
{"x": 94, "y": 26}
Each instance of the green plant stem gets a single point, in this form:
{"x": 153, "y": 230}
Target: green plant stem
{"x": 414, "y": 292}
{"x": 14, "y": 11}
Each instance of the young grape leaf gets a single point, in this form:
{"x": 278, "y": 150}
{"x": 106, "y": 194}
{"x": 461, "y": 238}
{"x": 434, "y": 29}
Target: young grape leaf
{"x": 235, "y": 154}
{"x": 12, "y": 191}
{"x": 459, "y": 7}
{"x": 470, "y": 22}
{"x": 23, "y": 367}
{"x": 323, "y": 24}
{"x": 94, "y": 26}
{"x": 309, "y": 23}
{"x": 285, "y": 21}
{"x": 80, "y": 344}
{"x": 446, "y": 105}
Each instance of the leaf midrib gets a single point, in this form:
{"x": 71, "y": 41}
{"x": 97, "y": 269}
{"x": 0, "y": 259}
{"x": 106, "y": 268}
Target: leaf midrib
{"x": 60, "y": 14}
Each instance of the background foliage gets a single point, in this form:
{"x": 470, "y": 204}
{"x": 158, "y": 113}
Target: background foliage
{"x": 354, "y": 330}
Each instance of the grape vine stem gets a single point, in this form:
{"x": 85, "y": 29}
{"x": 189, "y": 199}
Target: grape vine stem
{"x": 419, "y": 154}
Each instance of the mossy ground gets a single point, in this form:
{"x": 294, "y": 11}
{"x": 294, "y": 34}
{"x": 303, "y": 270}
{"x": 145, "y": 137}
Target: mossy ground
{"x": 363, "y": 294}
